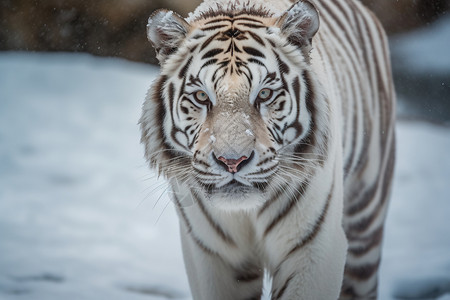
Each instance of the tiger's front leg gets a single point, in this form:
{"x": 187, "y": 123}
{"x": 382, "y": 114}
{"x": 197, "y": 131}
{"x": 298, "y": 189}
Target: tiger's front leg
{"x": 213, "y": 276}
{"x": 311, "y": 266}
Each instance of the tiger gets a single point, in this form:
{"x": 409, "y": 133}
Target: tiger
{"x": 274, "y": 125}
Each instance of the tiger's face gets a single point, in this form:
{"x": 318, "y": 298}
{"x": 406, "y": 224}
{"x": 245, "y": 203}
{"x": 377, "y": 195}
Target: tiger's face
{"x": 232, "y": 101}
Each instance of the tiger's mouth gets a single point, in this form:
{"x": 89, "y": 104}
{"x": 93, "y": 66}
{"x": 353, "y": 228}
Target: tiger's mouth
{"x": 235, "y": 196}
{"x": 235, "y": 187}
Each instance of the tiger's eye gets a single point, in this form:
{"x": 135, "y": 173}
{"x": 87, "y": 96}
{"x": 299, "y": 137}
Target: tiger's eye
{"x": 265, "y": 94}
{"x": 201, "y": 96}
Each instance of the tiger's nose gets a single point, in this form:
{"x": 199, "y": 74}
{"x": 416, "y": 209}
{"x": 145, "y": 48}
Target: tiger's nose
{"x": 233, "y": 165}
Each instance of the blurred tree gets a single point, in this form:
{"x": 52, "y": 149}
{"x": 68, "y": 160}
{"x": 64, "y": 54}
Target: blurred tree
{"x": 117, "y": 27}
{"x": 402, "y": 15}
{"x": 102, "y": 27}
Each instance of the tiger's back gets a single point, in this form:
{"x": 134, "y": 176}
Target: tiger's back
{"x": 290, "y": 124}
{"x": 364, "y": 87}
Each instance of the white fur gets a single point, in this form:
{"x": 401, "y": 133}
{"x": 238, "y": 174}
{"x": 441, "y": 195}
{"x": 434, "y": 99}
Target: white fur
{"x": 215, "y": 257}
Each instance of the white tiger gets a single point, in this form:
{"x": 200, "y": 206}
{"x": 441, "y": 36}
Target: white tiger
{"x": 277, "y": 121}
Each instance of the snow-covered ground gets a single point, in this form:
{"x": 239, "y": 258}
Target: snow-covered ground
{"x": 81, "y": 215}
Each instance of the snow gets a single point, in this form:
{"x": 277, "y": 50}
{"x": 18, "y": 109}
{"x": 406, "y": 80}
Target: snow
{"x": 417, "y": 238}
{"x": 76, "y": 198}
{"x": 82, "y": 217}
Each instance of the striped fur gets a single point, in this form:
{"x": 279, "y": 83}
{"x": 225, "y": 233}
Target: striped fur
{"x": 300, "y": 95}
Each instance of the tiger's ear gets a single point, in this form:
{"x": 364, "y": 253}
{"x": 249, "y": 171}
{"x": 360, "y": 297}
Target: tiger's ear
{"x": 299, "y": 23}
{"x": 166, "y": 30}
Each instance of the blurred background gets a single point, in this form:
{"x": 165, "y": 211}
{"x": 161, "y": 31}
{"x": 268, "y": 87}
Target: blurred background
{"x": 81, "y": 214}
{"x": 117, "y": 28}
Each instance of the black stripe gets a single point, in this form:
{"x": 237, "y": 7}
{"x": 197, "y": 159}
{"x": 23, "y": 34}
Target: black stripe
{"x": 193, "y": 81}
{"x": 284, "y": 68}
{"x": 309, "y": 142}
{"x": 349, "y": 18}
{"x": 194, "y": 140}
{"x": 231, "y": 13}
{"x": 208, "y": 63}
{"x": 257, "y": 38}
{"x": 367, "y": 128}
{"x": 198, "y": 36}
{"x": 263, "y": 171}
{"x": 194, "y": 105}
{"x": 341, "y": 27}
{"x": 253, "y": 51}
{"x": 348, "y": 292}
{"x": 277, "y": 127}
{"x": 184, "y": 110}
{"x": 246, "y": 276}
{"x": 212, "y": 53}
{"x": 199, "y": 243}
{"x": 275, "y": 135}
{"x": 248, "y": 19}
{"x": 200, "y": 162}
{"x": 265, "y": 161}
{"x": 171, "y": 94}
{"x": 280, "y": 105}
{"x": 354, "y": 127}
{"x": 214, "y": 27}
{"x": 258, "y": 62}
{"x": 230, "y": 48}
{"x": 205, "y": 173}
{"x": 270, "y": 77}
{"x": 172, "y": 100}
{"x": 208, "y": 41}
{"x": 218, "y": 20}
{"x": 236, "y": 48}
{"x": 262, "y": 186}
{"x": 354, "y": 61}
{"x": 361, "y": 198}
{"x": 276, "y": 196}
{"x": 281, "y": 292}
{"x": 157, "y": 98}
{"x": 363, "y": 224}
{"x": 251, "y": 25}
{"x": 291, "y": 203}
{"x": 363, "y": 272}
{"x": 184, "y": 68}
{"x": 383, "y": 98}
{"x": 369, "y": 242}
{"x": 224, "y": 236}
{"x": 285, "y": 88}
{"x": 316, "y": 228}
{"x": 363, "y": 32}
{"x": 296, "y": 87}
{"x": 255, "y": 297}
{"x": 173, "y": 134}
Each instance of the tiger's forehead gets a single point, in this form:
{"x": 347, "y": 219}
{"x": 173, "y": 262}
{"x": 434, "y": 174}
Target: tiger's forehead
{"x": 232, "y": 45}
{"x": 221, "y": 22}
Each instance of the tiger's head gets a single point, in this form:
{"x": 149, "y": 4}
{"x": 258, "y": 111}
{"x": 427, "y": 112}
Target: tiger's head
{"x": 235, "y": 113}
